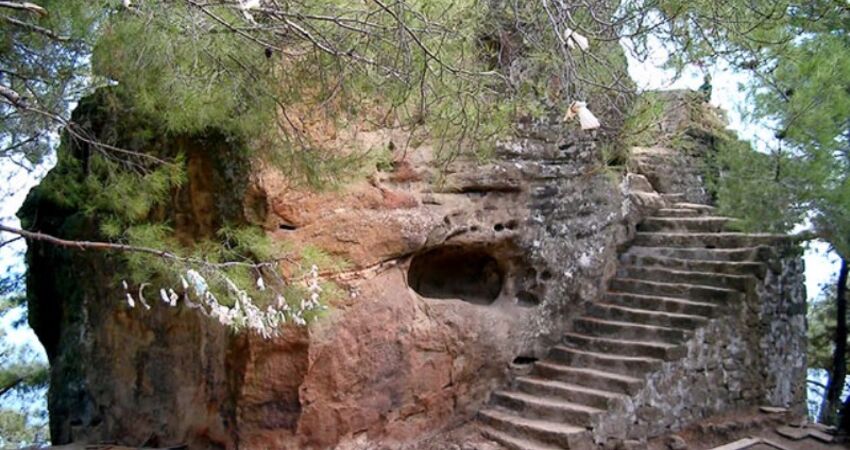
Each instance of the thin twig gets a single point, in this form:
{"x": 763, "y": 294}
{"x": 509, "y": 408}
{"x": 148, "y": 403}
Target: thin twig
{"x": 110, "y": 246}
{"x": 37, "y": 29}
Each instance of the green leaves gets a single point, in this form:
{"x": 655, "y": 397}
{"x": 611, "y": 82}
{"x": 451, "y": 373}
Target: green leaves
{"x": 190, "y": 79}
{"x": 43, "y": 59}
{"x": 821, "y": 320}
{"x": 21, "y": 375}
{"x": 763, "y": 191}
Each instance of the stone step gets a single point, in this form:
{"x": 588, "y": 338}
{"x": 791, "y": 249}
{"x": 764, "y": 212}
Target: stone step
{"x": 591, "y": 378}
{"x": 512, "y": 442}
{"x": 594, "y": 326}
{"x": 542, "y": 431}
{"x": 627, "y": 365}
{"x": 677, "y": 212}
{"x": 737, "y": 282}
{"x": 646, "y": 317}
{"x": 706, "y": 240}
{"x": 671, "y": 198}
{"x": 685, "y": 291}
{"x": 537, "y": 407}
{"x": 701, "y": 254}
{"x": 696, "y": 206}
{"x": 702, "y": 224}
{"x": 624, "y": 347}
{"x": 695, "y": 265}
{"x": 570, "y": 392}
{"x": 661, "y": 304}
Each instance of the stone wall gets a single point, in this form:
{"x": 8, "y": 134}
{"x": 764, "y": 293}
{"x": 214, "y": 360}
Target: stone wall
{"x": 675, "y": 156}
{"x": 782, "y": 330}
{"x": 752, "y": 354}
{"x": 672, "y": 171}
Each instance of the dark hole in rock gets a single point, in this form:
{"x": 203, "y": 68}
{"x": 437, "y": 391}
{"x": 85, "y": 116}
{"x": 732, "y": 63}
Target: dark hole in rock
{"x": 546, "y": 275}
{"x": 287, "y": 227}
{"x": 512, "y": 224}
{"x": 710, "y": 247}
{"x": 474, "y": 228}
{"x": 482, "y": 190}
{"x": 525, "y": 298}
{"x": 524, "y": 360}
{"x": 498, "y": 227}
{"x": 565, "y": 145}
{"x": 469, "y": 274}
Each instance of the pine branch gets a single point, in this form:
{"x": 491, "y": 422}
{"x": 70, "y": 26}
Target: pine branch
{"x": 36, "y": 29}
{"x": 19, "y": 102}
{"x": 11, "y": 385}
{"x": 110, "y": 246}
{"x": 5, "y": 243}
{"x": 12, "y": 97}
{"x": 25, "y": 6}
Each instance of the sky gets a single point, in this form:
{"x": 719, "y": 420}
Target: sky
{"x": 15, "y": 183}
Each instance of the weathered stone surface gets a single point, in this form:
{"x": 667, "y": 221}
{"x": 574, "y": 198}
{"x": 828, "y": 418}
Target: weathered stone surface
{"x": 793, "y": 433}
{"x": 732, "y": 362}
{"x": 676, "y": 443}
{"x": 408, "y": 351}
{"x": 642, "y": 198}
{"x": 387, "y": 365}
{"x": 672, "y": 171}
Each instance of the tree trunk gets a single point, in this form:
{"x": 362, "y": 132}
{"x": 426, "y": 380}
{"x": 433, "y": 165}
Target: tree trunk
{"x": 832, "y": 400}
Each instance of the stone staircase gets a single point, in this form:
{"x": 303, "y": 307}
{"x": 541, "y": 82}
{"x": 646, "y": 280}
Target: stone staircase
{"x": 680, "y": 271}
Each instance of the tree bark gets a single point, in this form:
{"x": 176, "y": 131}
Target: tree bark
{"x": 835, "y": 385}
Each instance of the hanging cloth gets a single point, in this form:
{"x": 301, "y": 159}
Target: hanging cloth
{"x": 574, "y": 39}
{"x": 585, "y": 118}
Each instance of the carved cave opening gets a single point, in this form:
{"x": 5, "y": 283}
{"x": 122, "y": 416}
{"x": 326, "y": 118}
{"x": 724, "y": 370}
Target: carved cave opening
{"x": 470, "y": 274}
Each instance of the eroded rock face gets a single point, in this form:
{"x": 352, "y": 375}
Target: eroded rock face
{"x": 676, "y": 160}
{"x": 456, "y": 278}
{"x": 458, "y": 281}
{"x": 672, "y": 171}
{"x": 451, "y": 278}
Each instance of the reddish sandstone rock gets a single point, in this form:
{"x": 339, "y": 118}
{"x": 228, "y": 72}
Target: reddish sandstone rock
{"x": 388, "y": 365}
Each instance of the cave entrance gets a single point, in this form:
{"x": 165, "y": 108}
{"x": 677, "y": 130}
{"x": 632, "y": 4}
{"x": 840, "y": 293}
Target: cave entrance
{"x": 468, "y": 274}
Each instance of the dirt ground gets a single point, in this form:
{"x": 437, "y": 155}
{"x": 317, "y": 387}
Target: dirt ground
{"x": 723, "y": 430}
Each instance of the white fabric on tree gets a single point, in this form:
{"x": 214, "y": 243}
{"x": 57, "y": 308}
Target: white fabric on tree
{"x": 585, "y": 118}
{"x": 574, "y": 39}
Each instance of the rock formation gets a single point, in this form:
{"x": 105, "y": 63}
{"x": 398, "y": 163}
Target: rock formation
{"x": 689, "y": 327}
{"x": 458, "y": 279}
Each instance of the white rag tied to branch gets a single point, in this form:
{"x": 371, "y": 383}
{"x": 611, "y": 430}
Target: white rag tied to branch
{"x": 586, "y": 118}
{"x": 573, "y": 40}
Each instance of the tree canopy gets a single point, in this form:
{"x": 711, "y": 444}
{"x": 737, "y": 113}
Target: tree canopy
{"x": 264, "y": 75}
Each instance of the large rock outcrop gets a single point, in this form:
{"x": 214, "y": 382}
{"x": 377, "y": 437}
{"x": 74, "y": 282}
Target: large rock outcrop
{"x": 454, "y": 274}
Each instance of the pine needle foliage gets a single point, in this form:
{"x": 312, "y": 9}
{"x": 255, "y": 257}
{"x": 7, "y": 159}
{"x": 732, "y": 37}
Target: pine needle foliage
{"x": 22, "y": 377}
{"x": 196, "y": 69}
{"x": 821, "y": 320}
{"x": 48, "y": 69}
